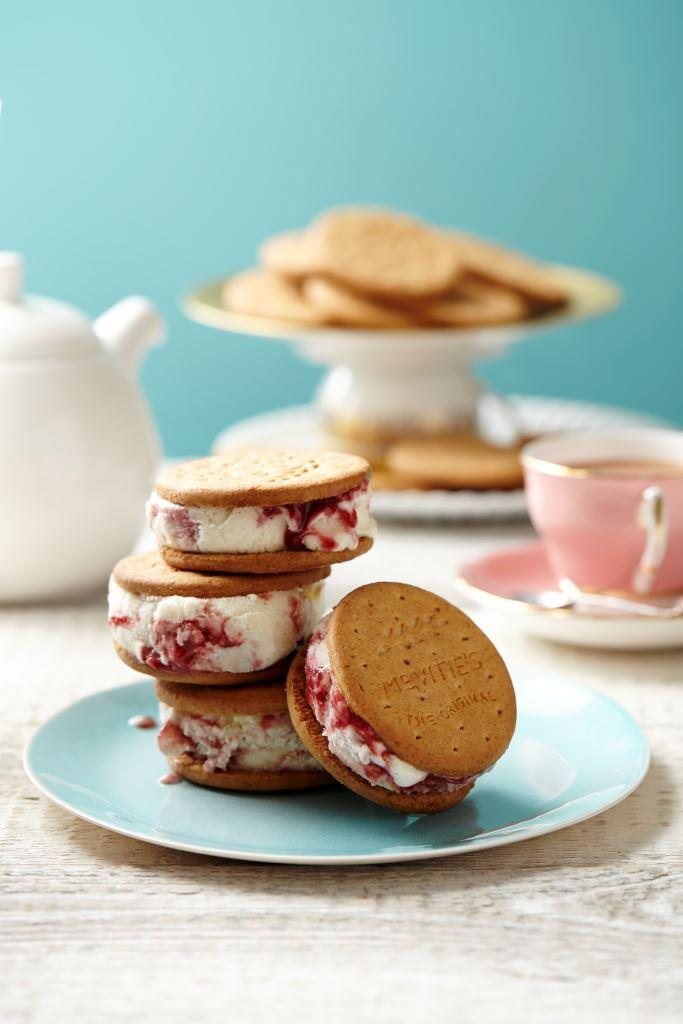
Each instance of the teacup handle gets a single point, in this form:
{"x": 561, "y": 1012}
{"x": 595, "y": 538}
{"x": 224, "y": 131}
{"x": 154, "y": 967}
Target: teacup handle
{"x": 652, "y": 516}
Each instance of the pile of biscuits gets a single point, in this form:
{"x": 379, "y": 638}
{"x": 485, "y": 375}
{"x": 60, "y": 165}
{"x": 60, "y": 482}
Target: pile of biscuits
{"x": 360, "y": 267}
{"x": 395, "y": 694}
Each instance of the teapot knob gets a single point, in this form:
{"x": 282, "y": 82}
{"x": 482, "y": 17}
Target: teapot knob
{"x": 11, "y": 276}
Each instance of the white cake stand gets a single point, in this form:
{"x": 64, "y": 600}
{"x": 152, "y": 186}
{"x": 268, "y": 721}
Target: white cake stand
{"x": 386, "y": 381}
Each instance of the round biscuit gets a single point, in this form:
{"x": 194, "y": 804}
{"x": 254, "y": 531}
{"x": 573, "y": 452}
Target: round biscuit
{"x": 424, "y": 676}
{"x": 311, "y": 735}
{"x": 258, "y": 292}
{"x": 191, "y": 768}
{"x": 275, "y": 671}
{"x": 340, "y": 305}
{"x": 510, "y": 269}
{"x": 384, "y": 254}
{"x": 224, "y": 702}
{"x": 457, "y": 461}
{"x": 149, "y": 574}
{"x": 265, "y": 562}
{"x": 476, "y": 304}
{"x": 289, "y": 253}
{"x": 261, "y": 477}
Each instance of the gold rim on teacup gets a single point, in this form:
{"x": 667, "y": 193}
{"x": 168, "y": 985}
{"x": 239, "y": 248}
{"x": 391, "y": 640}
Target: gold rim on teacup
{"x": 556, "y": 467}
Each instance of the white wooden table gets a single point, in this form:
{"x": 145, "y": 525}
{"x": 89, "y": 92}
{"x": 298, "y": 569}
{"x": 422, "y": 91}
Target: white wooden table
{"x": 581, "y": 925}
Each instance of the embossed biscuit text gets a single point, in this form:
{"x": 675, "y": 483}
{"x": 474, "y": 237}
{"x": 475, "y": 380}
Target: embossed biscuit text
{"x": 422, "y": 678}
{"x": 455, "y": 706}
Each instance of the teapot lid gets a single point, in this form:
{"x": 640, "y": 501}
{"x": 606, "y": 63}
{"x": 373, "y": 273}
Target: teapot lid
{"x": 31, "y": 326}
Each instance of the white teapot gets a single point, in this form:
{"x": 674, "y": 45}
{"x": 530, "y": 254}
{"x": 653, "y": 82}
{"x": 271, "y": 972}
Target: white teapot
{"x": 78, "y": 448}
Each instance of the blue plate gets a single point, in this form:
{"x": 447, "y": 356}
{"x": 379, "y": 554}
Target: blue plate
{"x": 574, "y": 754}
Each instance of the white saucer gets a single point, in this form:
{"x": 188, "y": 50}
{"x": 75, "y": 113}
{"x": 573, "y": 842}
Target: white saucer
{"x": 493, "y": 582}
{"x": 297, "y": 427}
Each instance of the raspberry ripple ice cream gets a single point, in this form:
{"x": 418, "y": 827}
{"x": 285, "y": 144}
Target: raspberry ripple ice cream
{"x": 353, "y": 740}
{"x": 335, "y": 523}
{"x": 263, "y": 742}
{"x": 245, "y": 633}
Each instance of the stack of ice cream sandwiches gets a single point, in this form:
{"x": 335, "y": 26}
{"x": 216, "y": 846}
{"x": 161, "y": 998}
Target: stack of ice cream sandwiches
{"x": 245, "y": 542}
{"x": 396, "y": 694}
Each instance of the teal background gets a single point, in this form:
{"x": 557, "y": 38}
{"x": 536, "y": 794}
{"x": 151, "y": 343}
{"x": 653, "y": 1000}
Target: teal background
{"x": 145, "y": 147}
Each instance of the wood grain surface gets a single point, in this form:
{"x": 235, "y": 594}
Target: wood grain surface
{"x": 581, "y": 925}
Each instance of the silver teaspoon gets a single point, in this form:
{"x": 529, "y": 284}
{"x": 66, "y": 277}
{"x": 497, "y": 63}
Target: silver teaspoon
{"x": 552, "y": 599}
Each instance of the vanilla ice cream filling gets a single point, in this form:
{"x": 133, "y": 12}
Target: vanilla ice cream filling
{"x": 220, "y": 634}
{"x": 327, "y": 524}
{"x": 263, "y": 743}
{"x": 353, "y": 740}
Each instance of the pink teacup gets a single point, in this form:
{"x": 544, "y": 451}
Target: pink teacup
{"x": 610, "y": 507}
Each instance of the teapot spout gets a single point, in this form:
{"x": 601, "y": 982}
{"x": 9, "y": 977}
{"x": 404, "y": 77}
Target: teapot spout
{"x": 128, "y": 328}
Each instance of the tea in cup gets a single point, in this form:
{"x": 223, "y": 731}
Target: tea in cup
{"x": 609, "y": 507}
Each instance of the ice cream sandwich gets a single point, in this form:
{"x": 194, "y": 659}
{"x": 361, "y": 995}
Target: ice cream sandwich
{"x": 234, "y": 738}
{"x": 189, "y": 627}
{"x": 263, "y": 511}
{"x": 402, "y": 698}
